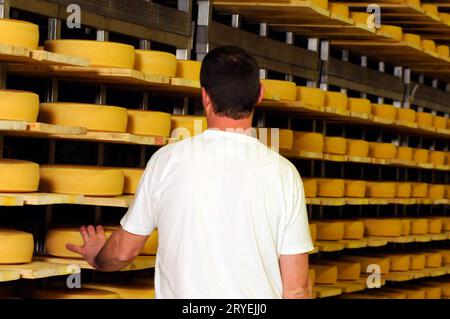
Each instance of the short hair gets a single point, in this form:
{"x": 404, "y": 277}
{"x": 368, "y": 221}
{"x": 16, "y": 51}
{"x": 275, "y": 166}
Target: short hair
{"x": 230, "y": 76}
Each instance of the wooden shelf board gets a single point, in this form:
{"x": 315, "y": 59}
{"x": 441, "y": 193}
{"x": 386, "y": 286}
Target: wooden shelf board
{"x": 422, "y": 238}
{"x": 350, "y": 286}
{"x": 50, "y": 58}
{"x": 139, "y": 263}
{"x": 322, "y": 291}
{"x": 11, "y": 201}
{"x": 118, "y": 138}
{"x": 9, "y": 275}
{"x": 329, "y": 246}
{"x": 44, "y": 198}
{"x": 38, "y": 269}
{"x": 117, "y": 201}
{"x": 36, "y": 129}
{"x": 436, "y": 237}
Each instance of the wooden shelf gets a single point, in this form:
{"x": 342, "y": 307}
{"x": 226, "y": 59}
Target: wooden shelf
{"x": 35, "y": 129}
{"x": 41, "y": 198}
{"x": 9, "y": 275}
{"x": 38, "y": 269}
{"x": 322, "y": 291}
{"x": 116, "y": 138}
{"x": 139, "y": 263}
{"x": 117, "y": 201}
{"x": 11, "y": 201}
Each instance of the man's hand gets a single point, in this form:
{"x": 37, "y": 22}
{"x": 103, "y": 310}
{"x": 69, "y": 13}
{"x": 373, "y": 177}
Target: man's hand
{"x": 94, "y": 240}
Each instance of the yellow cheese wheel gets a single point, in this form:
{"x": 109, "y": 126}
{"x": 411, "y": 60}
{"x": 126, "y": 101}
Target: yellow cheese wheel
{"x": 436, "y": 191}
{"x": 19, "y": 33}
{"x": 403, "y": 190}
{"x": 433, "y": 259}
{"x": 286, "y": 139}
{"x": 384, "y": 111}
{"x": 419, "y": 226}
{"x": 389, "y": 227}
{"x": 347, "y": 270}
{"x": 91, "y": 116}
{"x": 435, "y": 225}
{"x": 99, "y": 53}
{"x": 339, "y": 9}
{"x": 417, "y": 261}
{"x": 429, "y": 45}
{"x": 18, "y": 105}
{"x": 443, "y": 51}
{"x": 283, "y": 138}
{"x": 335, "y": 145}
{"x": 437, "y": 157}
{"x": 330, "y": 187}
{"x": 355, "y": 188}
{"x": 424, "y": 119}
{"x": 82, "y": 180}
{"x": 280, "y": 90}
{"x": 444, "y": 285}
{"x": 330, "y": 230}
{"x": 381, "y": 189}
{"x": 439, "y": 122}
{"x": 151, "y": 245}
{"x": 336, "y": 100}
{"x": 409, "y": 293}
{"x": 382, "y": 150}
{"x": 365, "y": 261}
{"x": 189, "y": 70}
{"x": 310, "y": 187}
{"x": 447, "y": 192}
{"x": 412, "y": 39}
{"x": 445, "y": 17}
{"x": 394, "y": 31}
{"x": 421, "y": 155}
{"x": 405, "y": 153}
{"x": 419, "y": 190}
{"x": 148, "y": 123}
{"x": 18, "y": 176}
{"x": 325, "y": 274}
{"x": 358, "y": 148}
{"x": 156, "y": 62}
{"x": 321, "y": 3}
{"x": 359, "y": 105}
{"x": 313, "y": 232}
{"x": 398, "y": 261}
{"x": 362, "y": 17}
{"x": 187, "y": 125}
{"x": 353, "y": 229}
{"x": 406, "y": 226}
{"x": 312, "y": 276}
{"x": 407, "y": 115}
{"x": 16, "y": 246}
{"x": 82, "y": 293}
{"x": 430, "y": 9}
{"x": 445, "y": 255}
{"x": 134, "y": 289}
{"x": 308, "y": 142}
{"x": 311, "y": 96}
{"x": 132, "y": 177}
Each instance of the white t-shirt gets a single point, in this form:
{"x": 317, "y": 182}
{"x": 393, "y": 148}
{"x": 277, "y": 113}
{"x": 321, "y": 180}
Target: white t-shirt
{"x": 226, "y": 207}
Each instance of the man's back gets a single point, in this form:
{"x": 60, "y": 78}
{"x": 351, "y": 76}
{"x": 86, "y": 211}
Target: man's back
{"x": 225, "y": 207}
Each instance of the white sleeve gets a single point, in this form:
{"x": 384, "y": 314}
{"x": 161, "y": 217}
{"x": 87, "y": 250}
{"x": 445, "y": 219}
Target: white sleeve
{"x": 297, "y": 238}
{"x": 141, "y": 216}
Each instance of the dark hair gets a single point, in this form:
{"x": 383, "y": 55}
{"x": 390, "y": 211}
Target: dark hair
{"x": 230, "y": 76}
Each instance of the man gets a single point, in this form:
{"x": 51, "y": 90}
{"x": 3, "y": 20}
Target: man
{"x": 230, "y": 212}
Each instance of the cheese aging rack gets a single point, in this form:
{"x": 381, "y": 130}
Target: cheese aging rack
{"x": 316, "y": 47}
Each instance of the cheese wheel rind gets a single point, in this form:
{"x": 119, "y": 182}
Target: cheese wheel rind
{"x": 156, "y": 62}
{"x": 19, "y": 176}
{"x": 19, "y": 33}
{"x": 16, "y": 246}
{"x": 189, "y": 70}
{"x": 19, "y": 105}
{"x": 148, "y": 123}
{"x": 187, "y": 125}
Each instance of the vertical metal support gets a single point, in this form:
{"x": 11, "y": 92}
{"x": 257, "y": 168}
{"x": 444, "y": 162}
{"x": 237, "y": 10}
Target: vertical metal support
{"x": 4, "y": 9}
{"x": 236, "y": 21}
{"x": 435, "y": 83}
{"x": 263, "y": 31}
{"x": 203, "y": 21}
{"x": 381, "y": 68}
{"x": 406, "y": 103}
{"x": 290, "y": 41}
{"x": 145, "y": 44}
{"x": 313, "y": 45}
{"x": 363, "y": 63}
{"x": 102, "y": 35}
{"x": 324, "y": 58}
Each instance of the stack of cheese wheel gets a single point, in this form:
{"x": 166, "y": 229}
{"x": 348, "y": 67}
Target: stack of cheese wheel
{"x": 439, "y": 122}
{"x": 436, "y": 191}
{"x": 398, "y": 261}
{"x": 16, "y": 247}
{"x": 419, "y": 190}
{"x": 405, "y": 153}
{"x": 279, "y": 90}
{"x": 330, "y": 229}
{"x": 132, "y": 177}
{"x": 57, "y": 239}
{"x": 421, "y": 155}
{"x": 336, "y": 100}
{"x": 424, "y": 119}
{"x": 335, "y": 145}
{"x": 357, "y": 148}
{"x": 135, "y": 289}
{"x": 18, "y": 105}
{"x": 357, "y": 105}
{"x": 148, "y": 123}
{"x": 189, "y": 70}
{"x": 367, "y": 260}
{"x": 445, "y": 17}
{"x": 18, "y": 176}
{"x": 443, "y": 51}
{"x": 310, "y": 187}
{"x": 355, "y": 188}
{"x": 339, "y": 9}
{"x": 91, "y": 116}
{"x": 19, "y": 33}
{"x": 186, "y": 126}
{"x": 433, "y": 259}
{"x": 382, "y": 150}
{"x": 353, "y": 229}
{"x": 437, "y": 157}
{"x": 81, "y": 293}
{"x": 384, "y": 227}
{"x": 406, "y": 115}
{"x": 308, "y": 142}
{"x": 330, "y": 187}
{"x": 99, "y": 53}
{"x": 156, "y": 62}
{"x": 276, "y": 138}
{"x": 312, "y": 97}
{"x": 403, "y": 190}
{"x": 381, "y": 189}
{"x": 429, "y": 45}
{"x": 384, "y": 111}
{"x": 430, "y": 9}
{"x": 82, "y": 180}
{"x": 412, "y": 39}
{"x": 347, "y": 270}
{"x": 325, "y": 274}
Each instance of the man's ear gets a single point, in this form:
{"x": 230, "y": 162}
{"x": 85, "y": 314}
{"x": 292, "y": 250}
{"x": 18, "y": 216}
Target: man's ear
{"x": 206, "y": 101}
{"x": 262, "y": 91}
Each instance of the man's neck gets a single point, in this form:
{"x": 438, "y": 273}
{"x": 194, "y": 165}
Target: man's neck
{"x": 228, "y": 124}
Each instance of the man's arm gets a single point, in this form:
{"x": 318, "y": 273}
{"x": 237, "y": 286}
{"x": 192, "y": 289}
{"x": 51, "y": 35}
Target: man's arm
{"x": 295, "y": 276}
{"x": 111, "y": 255}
